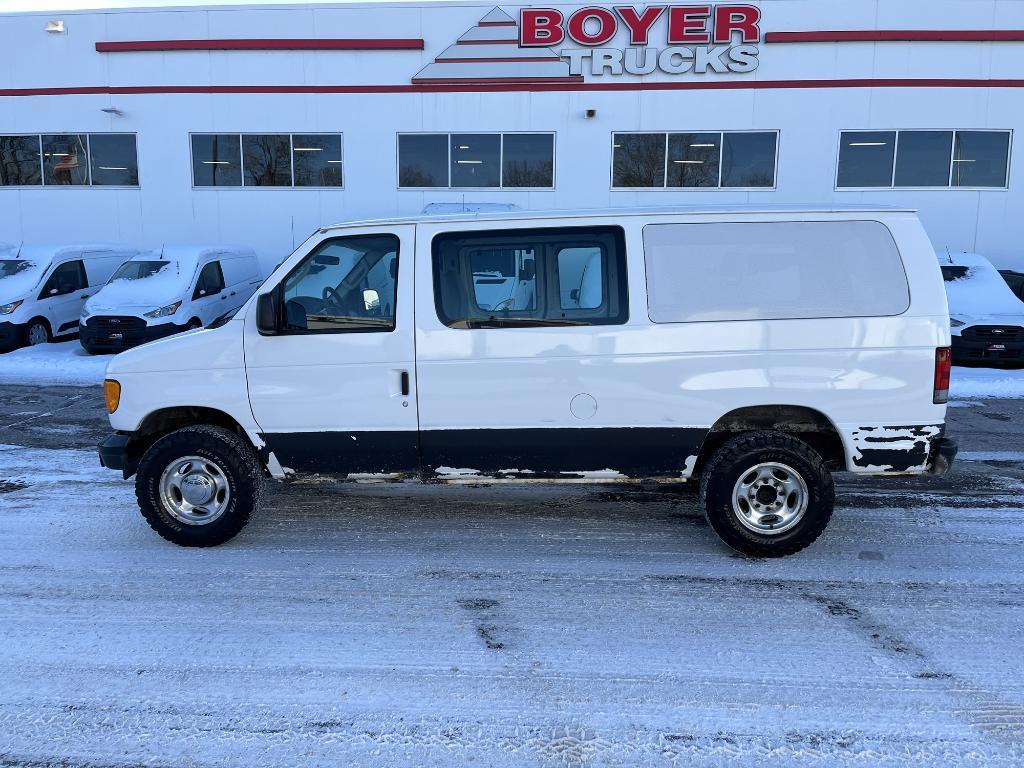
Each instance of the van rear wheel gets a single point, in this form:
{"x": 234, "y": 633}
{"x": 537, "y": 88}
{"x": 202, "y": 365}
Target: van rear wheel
{"x": 767, "y": 494}
{"x": 198, "y": 486}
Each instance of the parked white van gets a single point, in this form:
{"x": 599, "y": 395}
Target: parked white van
{"x": 755, "y": 349}
{"x": 986, "y": 318}
{"x": 43, "y": 288}
{"x": 160, "y": 293}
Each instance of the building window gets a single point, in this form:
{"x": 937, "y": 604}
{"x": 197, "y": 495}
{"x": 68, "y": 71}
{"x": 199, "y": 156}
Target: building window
{"x": 20, "y": 164}
{"x": 69, "y": 160}
{"x": 923, "y": 159}
{"x": 525, "y": 278}
{"x": 113, "y": 160}
{"x": 316, "y": 158}
{"x": 476, "y": 160}
{"x": 266, "y": 160}
{"x": 700, "y": 160}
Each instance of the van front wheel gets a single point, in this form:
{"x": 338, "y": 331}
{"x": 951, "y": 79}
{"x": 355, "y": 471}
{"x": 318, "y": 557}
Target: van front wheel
{"x": 767, "y": 494}
{"x": 198, "y": 486}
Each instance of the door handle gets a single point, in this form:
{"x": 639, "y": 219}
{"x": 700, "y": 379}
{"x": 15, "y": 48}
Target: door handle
{"x": 405, "y": 383}
{"x": 223, "y": 298}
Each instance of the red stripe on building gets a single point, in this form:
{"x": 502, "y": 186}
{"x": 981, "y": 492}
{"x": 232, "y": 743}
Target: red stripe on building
{"x": 499, "y": 80}
{"x": 476, "y": 87}
{"x": 897, "y": 35}
{"x": 496, "y": 24}
{"x": 338, "y": 44}
{"x": 495, "y": 58}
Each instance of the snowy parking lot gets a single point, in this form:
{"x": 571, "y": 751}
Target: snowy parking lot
{"x": 432, "y": 625}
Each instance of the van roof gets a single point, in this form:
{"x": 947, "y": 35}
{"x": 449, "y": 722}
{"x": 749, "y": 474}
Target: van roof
{"x": 191, "y": 254}
{"x": 963, "y": 259}
{"x": 684, "y": 210}
{"x": 52, "y": 252}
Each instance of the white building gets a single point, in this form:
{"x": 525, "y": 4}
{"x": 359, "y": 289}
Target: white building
{"x": 256, "y": 124}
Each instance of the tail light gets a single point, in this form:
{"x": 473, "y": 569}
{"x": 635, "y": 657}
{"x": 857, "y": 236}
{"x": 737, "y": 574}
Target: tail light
{"x": 943, "y": 361}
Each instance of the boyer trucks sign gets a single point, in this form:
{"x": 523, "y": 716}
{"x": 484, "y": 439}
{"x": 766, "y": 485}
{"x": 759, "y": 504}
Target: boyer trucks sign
{"x": 675, "y": 39}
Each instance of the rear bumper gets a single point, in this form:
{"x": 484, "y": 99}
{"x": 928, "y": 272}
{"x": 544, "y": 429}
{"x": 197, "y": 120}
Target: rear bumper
{"x": 104, "y": 338}
{"x": 940, "y": 459}
{"x": 10, "y": 335}
{"x": 987, "y": 350}
{"x": 114, "y": 454}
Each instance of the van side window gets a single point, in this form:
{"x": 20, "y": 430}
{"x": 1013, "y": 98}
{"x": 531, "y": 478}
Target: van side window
{"x": 66, "y": 278}
{"x": 531, "y": 277}
{"x": 348, "y": 284}
{"x": 773, "y": 271}
{"x": 210, "y": 282}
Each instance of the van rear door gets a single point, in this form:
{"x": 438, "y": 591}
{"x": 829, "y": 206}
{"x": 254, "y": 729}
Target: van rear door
{"x": 333, "y": 389}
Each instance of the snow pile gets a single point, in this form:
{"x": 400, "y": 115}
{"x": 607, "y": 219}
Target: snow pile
{"x": 982, "y": 291}
{"x": 65, "y": 363}
{"x": 986, "y": 382}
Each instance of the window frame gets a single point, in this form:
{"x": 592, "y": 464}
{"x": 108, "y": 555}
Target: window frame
{"x": 196, "y": 296}
{"x": 949, "y": 186}
{"x": 279, "y": 288}
{"x": 88, "y": 160}
{"x": 548, "y": 238}
{"x": 83, "y": 279}
{"x": 501, "y": 160}
{"x": 721, "y": 164}
{"x": 241, "y": 160}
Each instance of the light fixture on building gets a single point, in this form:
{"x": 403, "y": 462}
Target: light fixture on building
{"x": 112, "y": 111}
{"x": 590, "y": 113}
{"x": 55, "y": 26}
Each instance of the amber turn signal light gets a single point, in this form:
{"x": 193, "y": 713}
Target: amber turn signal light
{"x": 112, "y": 394}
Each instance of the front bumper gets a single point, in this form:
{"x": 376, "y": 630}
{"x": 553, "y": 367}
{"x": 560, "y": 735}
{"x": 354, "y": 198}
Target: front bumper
{"x": 107, "y": 333}
{"x": 11, "y": 335}
{"x": 115, "y": 454}
{"x": 940, "y": 459}
{"x": 991, "y": 350}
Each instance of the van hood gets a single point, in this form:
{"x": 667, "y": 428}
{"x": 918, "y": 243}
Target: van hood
{"x": 18, "y": 285}
{"x": 204, "y": 349}
{"x": 158, "y": 290}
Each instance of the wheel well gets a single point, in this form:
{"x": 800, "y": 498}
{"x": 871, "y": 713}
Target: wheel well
{"x": 807, "y": 424}
{"x": 42, "y": 320}
{"x": 166, "y": 420}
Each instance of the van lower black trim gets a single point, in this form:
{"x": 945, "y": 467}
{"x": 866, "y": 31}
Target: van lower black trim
{"x": 532, "y": 453}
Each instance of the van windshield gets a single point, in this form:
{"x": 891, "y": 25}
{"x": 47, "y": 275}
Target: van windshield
{"x": 136, "y": 270}
{"x": 10, "y": 267}
{"x": 949, "y": 274}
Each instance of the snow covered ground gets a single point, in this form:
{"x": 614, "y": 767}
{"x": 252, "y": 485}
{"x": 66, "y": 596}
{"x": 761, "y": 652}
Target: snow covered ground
{"x": 67, "y": 363}
{"x": 410, "y": 625}
{"x": 62, "y": 363}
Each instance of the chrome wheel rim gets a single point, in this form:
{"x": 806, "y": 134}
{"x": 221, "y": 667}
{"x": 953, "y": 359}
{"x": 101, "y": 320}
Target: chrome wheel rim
{"x": 770, "y": 498}
{"x": 194, "y": 490}
{"x": 36, "y": 334}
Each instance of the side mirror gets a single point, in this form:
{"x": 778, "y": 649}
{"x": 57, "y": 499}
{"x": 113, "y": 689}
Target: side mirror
{"x": 371, "y": 299}
{"x": 267, "y": 313}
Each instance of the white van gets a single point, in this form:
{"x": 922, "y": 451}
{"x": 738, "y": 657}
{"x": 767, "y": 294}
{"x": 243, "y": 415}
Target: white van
{"x": 160, "y": 293}
{"x": 43, "y": 288}
{"x": 755, "y": 349}
{"x": 985, "y": 316}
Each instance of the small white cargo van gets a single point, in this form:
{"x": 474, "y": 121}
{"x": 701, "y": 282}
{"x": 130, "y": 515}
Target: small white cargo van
{"x": 160, "y": 293}
{"x": 752, "y": 350}
{"x": 43, "y": 288}
{"x": 985, "y": 316}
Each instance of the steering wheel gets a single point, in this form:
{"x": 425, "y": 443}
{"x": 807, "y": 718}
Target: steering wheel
{"x": 503, "y": 305}
{"x": 330, "y": 296}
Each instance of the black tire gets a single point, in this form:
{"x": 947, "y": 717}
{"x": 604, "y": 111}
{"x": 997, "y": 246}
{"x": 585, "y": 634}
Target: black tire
{"x": 241, "y": 469}
{"x": 737, "y": 457}
{"x": 37, "y": 322}
{"x": 194, "y": 324}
